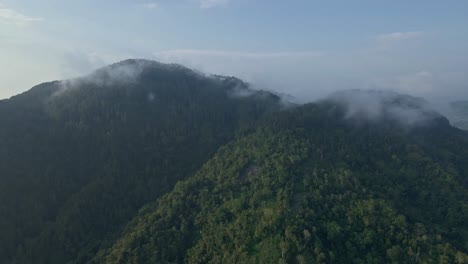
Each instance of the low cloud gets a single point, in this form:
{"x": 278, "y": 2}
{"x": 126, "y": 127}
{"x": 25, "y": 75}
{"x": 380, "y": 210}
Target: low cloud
{"x": 122, "y": 73}
{"x": 398, "y": 36}
{"x": 283, "y": 72}
{"x": 10, "y": 16}
{"x": 234, "y": 54}
{"x": 76, "y": 63}
{"x": 421, "y": 83}
{"x": 376, "y": 106}
{"x": 434, "y": 86}
{"x": 402, "y": 66}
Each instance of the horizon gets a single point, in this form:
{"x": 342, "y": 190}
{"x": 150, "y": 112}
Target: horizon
{"x": 306, "y": 49}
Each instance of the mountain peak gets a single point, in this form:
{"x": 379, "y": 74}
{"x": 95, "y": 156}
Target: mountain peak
{"x": 145, "y": 63}
{"x": 132, "y": 69}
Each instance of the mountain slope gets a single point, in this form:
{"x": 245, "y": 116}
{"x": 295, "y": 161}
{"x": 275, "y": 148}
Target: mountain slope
{"x": 80, "y": 157}
{"x": 143, "y": 162}
{"x": 313, "y": 186}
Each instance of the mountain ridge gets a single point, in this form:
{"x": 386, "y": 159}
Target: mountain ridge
{"x": 114, "y": 167}
{"x": 228, "y": 198}
{"x": 83, "y": 144}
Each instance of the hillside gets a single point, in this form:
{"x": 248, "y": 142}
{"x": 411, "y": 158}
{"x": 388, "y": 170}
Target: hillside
{"x": 312, "y": 187}
{"x": 80, "y": 157}
{"x": 143, "y": 162}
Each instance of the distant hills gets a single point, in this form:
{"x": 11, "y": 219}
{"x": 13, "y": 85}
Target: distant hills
{"x": 143, "y": 162}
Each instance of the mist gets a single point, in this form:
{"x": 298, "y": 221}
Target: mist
{"x": 375, "y": 105}
{"x": 306, "y": 77}
{"x": 413, "y": 63}
{"x": 312, "y": 78}
{"x": 122, "y": 73}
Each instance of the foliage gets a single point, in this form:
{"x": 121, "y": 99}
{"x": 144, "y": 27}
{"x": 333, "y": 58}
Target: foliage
{"x": 77, "y": 162}
{"x": 343, "y": 194}
{"x": 142, "y": 162}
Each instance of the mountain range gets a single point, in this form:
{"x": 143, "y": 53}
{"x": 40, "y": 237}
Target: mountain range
{"x": 144, "y": 162}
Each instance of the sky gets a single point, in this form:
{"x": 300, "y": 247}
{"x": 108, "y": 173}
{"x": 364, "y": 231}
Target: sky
{"x": 305, "y": 48}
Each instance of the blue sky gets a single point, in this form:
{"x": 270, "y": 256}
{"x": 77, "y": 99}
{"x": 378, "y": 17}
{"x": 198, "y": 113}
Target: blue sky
{"x": 305, "y": 48}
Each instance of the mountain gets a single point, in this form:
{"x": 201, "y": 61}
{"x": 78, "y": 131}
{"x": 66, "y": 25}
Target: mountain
{"x": 142, "y": 162}
{"x": 80, "y": 157}
{"x": 459, "y": 114}
{"x": 312, "y": 186}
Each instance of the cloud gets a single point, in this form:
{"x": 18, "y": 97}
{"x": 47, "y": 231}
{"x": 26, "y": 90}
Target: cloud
{"x": 373, "y": 105}
{"x": 398, "y": 36}
{"x": 309, "y": 75}
{"x": 415, "y": 83}
{"x": 151, "y": 5}
{"x": 76, "y": 63}
{"x": 432, "y": 85}
{"x": 421, "y": 82}
{"x": 122, "y": 73}
{"x": 234, "y": 55}
{"x": 10, "y": 16}
{"x": 212, "y": 3}
{"x": 283, "y": 72}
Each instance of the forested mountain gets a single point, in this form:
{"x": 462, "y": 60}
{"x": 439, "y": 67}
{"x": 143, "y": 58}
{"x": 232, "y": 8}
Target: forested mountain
{"x": 142, "y": 162}
{"x": 312, "y": 187}
{"x": 78, "y": 158}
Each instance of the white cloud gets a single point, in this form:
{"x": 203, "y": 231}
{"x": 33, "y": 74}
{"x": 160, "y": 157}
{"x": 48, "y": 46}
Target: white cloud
{"x": 212, "y": 3}
{"x": 151, "y": 5}
{"x": 10, "y": 16}
{"x": 398, "y": 36}
{"x": 234, "y": 55}
{"x": 279, "y": 71}
{"x": 428, "y": 84}
{"x": 313, "y": 74}
{"x": 77, "y": 62}
{"x": 421, "y": 82}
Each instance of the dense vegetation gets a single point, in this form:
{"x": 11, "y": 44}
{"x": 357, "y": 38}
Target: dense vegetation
{"x": 305, "y": 189}
{"x": 148, "y": 163}
{"x": 79, "y": 158}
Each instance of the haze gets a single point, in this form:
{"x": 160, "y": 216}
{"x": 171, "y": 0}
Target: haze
{"x": 300, "y": 47}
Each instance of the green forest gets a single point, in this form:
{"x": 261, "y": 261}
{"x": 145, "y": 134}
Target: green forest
{"x": 142, "y": 162}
